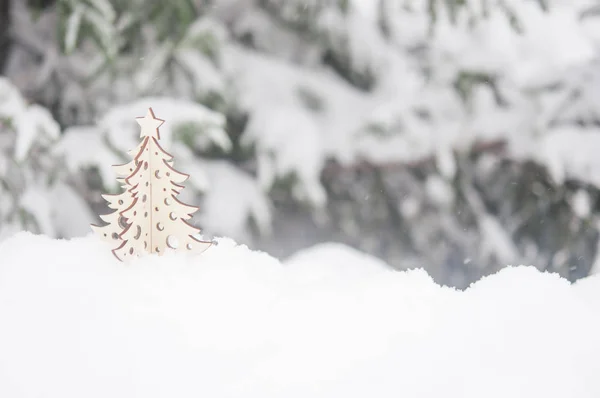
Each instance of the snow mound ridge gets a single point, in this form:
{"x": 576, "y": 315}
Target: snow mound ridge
{"x": 75, "y": 322}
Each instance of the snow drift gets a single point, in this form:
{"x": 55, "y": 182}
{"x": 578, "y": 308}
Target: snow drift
{"x": 331, "y": 322}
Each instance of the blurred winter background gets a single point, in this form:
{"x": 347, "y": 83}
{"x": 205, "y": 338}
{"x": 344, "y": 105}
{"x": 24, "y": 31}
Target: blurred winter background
{"x": 455, "y": 135}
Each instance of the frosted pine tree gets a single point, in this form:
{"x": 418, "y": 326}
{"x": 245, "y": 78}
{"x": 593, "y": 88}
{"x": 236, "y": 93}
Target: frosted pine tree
{"x": 156, "y": 219}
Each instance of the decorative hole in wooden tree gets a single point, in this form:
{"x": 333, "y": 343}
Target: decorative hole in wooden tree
{"x": 150, "y": 182}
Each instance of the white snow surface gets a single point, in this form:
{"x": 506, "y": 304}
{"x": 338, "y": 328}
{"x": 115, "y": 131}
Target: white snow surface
{"x": 233, "y": 322}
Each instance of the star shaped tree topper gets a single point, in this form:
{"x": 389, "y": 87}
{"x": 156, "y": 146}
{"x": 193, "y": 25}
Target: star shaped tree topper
{"x": 149, "y": 125}
{"x": 148, "y": 217}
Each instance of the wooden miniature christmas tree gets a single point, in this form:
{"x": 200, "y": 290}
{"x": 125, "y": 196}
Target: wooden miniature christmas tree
{"x": 149, "y": 218}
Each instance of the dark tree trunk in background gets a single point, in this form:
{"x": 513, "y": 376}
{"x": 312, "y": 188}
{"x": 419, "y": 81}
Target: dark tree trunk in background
{"x": 4, "y": 33}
